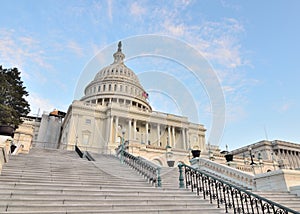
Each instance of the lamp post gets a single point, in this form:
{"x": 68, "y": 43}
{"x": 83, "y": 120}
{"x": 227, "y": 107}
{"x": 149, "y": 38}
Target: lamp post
{"x": 122, "y": 145}
{"x": 252, "y": 164}
{"x": 250, "y": 151}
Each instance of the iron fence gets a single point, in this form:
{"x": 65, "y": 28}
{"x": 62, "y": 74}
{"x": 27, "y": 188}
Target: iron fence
{"x": 227, "y": 195}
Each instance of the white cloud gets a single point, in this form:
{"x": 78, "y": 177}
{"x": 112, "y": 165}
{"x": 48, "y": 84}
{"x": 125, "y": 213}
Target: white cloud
{"x": 20, "y": 51}
{"x": 109, "y": 9}
{"x": 136, "y": 9}
{"x": 286, "y": 106}
{"x": 74, "y": 47}
{"x": 173, "y": 29}
{"x": 38, "y": 104}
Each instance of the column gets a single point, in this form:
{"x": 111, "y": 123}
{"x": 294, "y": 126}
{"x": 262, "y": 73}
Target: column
{"x": 108, "y": 129}
{"x": 147, "y": 137}
{"x": 297, "y": 158}
{"x": 288, "y": 155}
{"x": 183, "y": 138}
{"x": 129, "y": 130}
{"x": 173, "y": 137}
{"x": 293, "y": 159}
{"x": 134, "y": 130}
{"x": 116, "y": 128}
{"x": 188, "y": 139}
{"x": 158, "y": 134}
{"x": 169, "y": 143}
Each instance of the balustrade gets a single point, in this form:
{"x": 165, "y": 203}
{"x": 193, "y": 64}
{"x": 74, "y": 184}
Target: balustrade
{"x": 227, "y": 195}
{"x": 151, "y": 173}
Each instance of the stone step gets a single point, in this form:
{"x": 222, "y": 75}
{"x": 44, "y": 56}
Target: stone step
{"x": 152, "y": 211}
{"x": 42, "y": 202}
{"x": 95, "y": 196}
{"x": 47, "y": 185}
{"x": 95, "y": 192}
{"x": 71, "y": 177}
{"x": 75, "y": 181}
{"x": 95, "y": 207}
{"x": 89, "y": 188}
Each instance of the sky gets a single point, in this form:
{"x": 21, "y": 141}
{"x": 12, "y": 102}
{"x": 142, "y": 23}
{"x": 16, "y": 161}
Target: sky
{"x": 251, "y": 47}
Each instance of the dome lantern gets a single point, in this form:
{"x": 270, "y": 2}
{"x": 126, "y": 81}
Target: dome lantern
{"x": 119, "y": 56}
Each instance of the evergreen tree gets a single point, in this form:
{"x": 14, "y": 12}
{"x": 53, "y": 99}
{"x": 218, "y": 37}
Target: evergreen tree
{"x": 13, "y": 104}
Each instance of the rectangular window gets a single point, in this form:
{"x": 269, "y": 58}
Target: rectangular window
{"x": 88, "y": 121}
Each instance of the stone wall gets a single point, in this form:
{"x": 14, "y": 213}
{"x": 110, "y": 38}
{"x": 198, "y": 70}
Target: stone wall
{"x": 279, "y": 180}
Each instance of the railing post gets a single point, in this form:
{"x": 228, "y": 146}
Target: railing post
{"x": 158, "y": 178}
{"x": 122, "y": 151}
{"x": 181, "y": 179}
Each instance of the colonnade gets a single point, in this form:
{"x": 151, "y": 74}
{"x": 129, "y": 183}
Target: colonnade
{"x": 150, "y": 133}
{"x": 290, "y": 157}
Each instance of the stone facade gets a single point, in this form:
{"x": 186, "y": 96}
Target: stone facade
{"x": 27, "y": 132}
{"x": 38, "y": 131}
{"x": 285, "y": 155}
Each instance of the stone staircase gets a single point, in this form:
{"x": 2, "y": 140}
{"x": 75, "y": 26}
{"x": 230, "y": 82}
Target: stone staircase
{"x": 170, "y": 177}
{"x": 58, "y": 181}
{"x": 286, "y": 199}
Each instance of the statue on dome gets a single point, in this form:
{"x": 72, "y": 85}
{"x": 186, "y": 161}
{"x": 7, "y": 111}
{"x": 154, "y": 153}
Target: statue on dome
{"x": 120, "y": 46}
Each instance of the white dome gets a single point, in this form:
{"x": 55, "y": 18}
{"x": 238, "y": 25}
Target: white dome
{"x": 117, "y": 83}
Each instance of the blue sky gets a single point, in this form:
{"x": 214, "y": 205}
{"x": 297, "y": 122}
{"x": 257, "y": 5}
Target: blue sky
{"x": 252, "y": 47}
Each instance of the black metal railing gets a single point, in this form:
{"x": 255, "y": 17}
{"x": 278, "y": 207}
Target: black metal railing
{"x": 78, "y": 151}
{"x": 151, "y": 173}
{"x": 227, "y": 195}
{"x": 84, "y": 154}
{"x": 88, "y": 156}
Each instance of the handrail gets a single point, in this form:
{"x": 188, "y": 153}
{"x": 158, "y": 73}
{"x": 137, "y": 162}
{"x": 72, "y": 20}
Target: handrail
{"x": 88, "y": 156}
{"x": 84, "y": 154}
{"x": 151, "y": 173}
{"x": 78, "y": 151}
{"x": 233, "y": 197}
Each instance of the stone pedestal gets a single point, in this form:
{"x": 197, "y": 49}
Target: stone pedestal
{"x": 194, "y": 162}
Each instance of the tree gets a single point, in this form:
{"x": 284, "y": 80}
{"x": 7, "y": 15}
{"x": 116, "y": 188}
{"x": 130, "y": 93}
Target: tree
{"x": 13, "y": 104}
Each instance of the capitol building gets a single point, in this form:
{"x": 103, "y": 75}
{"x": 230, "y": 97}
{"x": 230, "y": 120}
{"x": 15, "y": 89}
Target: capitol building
{"x": 115, "y": 109}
